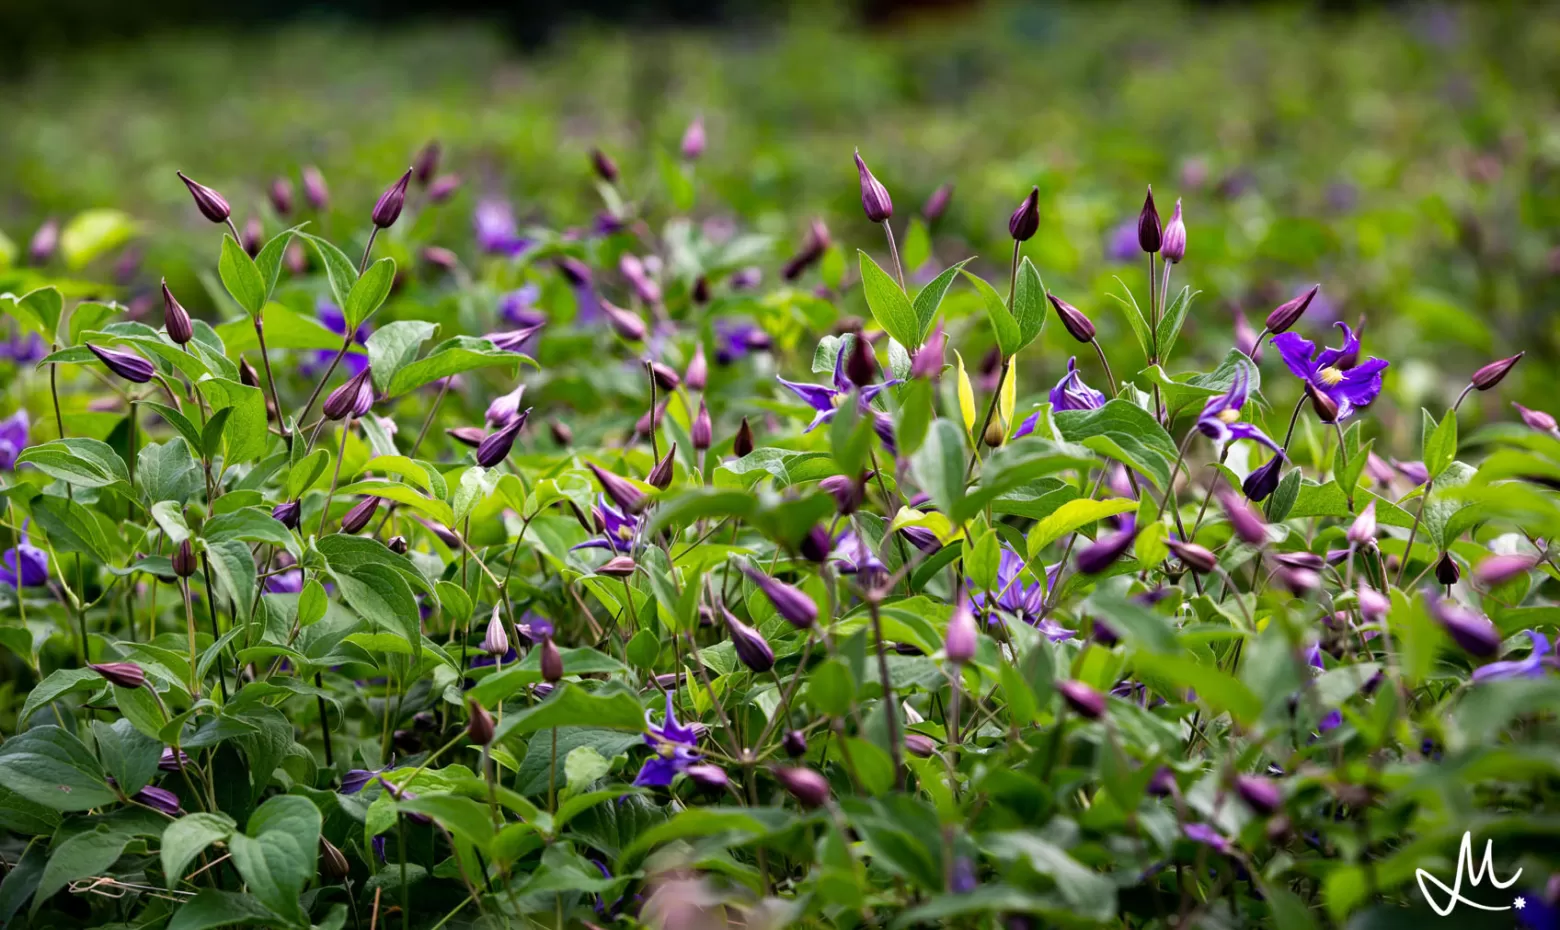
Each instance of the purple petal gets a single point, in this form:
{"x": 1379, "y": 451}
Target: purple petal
{"x": 1296, "y": 351}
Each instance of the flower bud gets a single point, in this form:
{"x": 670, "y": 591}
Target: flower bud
{"x": 1326, "y": 408}
{"x": 874, "y": 196}
{"x": 790, "y": 602}
{"x": 1173, "y": 248}
{"x": 351, "y": 399}
{"x": 1025, "y": 221}
{"x": 398, "y": 545}
{"x": 281, "y": 194}
{"x": 1289, "y": 312}
{"x": 995, "y": 434}
{"x": 159, "y": 799}
{"x": 252, "y": 239}
{"x": 701, "y": 431}
{"x": 1362, "y": 532}
{"x": 805, "y": 785}
{"x": 633, "y": 268}
{"x": 479, "y": 724}
{"x": 426, "y": 164}
{"x": 495, "y": 448}
{"x": 314, "y": 189}
{"x": 937, "y": 204}
{"x": 207, "y": 201}
{"x": 701, "y": 290}
{"x": 1499, "y": 569}
{"x": 1300, "y": 582}
{"x": 751, "y": 647}
{"x": 816, "y": 544}
{"x": 742, "y": 445}
{"x": 247, "y": 375}
{"x": 1162, "y": 783}
{"x": 1374, "y": 605}
{"x": 660, "y": 476}
{"x": 358, "y": 516}
{"x": 1245, "y": 522}
{"x": 619, "y": 567}
{"x": 496, "y": 641}
{"x": 1196, "y": 558}
{"x": 650, "y": 420}
{"x": 605, "y": 168}
{"x": 626, "y": 323}
{"x": 176, "y": 320}
{"x": 1446, "y": 570}
{"x": 697, "y": 374}
{"x": 467, "y": 435}
{"x": 708, "y": 776}
{"x": 928, "y": 359}
{"x": 1148, "y": 228}
{"x": 443, "y": 188}
{"x": 848, "y": 492}
{"x": 1103, "y": 553}
{"x": 1077, "y": 325}
{"x": 333, "y": 862}
{"x": 1084, "y": 700}
{"x": 814, "y": 245}
{"x": 962, "y": 637}
{"x": 388, "y": 209}
{"x": 1262, "y": 795}
{"x": 184, "y": 561}
{"x": 1536, "y": 419}
{"x": 1493, "y": 373}
{"x": 123, "y": 674}
{"x": 441, "y": 258}
{"x": 795, "y": 743}
{"x": 920, "y": 745}
{"x": 693, "y": 140}
{"x": 45, "y": 242}
{"x": 665, "y": 377}
{"x": 286, "y": 513}
{"x": 861, "y": 363}
{"x": 623, "y": 493}
{"x": 124, "y": 364}
{"x": 1475, "y": 634}
{"x": 551, "y": 661}
{"x": 1262, "y": 482}
{"x": 505, "y": 407}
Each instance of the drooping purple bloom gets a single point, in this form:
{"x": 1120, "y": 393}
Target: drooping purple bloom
{"x": 25, "y": 565}
{"x": 853, "y": 556}
{"x": 23, "y": 348}
{"x": 1220, "y": 419}
{"x": 331, "y": 317}
{"x": 518, "y": 307}
{"x": 15, "y": 431}
{"x": 1024, "y": 601}
{"x": 1530, "y": 667}
{"x": 825, "y": 399}
{"x": 618, "y": 529}
{"x": 734, "y": 339}
{"x": 355, "y": 779}
{"x": 1071, "y": 393}
{"x": 676, "y": 748}
{"x": 496, "y": 231}
{"x": 1349, "y": 388}
{"x": 287, "y": 582}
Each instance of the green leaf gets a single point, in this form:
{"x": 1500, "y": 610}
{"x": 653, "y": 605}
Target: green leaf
{"x": 451, "y": 357}
{"x": 931, "y": 297}
{"x": 1171, "y": 321}
{"x": 1286, "y": 495}
{"x": 339, "y": 269}
{"x": 185, "y": 838}
{"x": 382, "y": 596}
{"x": 368, "y": 293}
{"x": 178, "y": 421}
{"x": 49, "y": 766}
{"x": 250, "y": 524}
{"x": 212, "y": 908}
{"x": 1440, "y": 443}
{"x": 1071, "y": 517}
{"x": 1029, "y": 303}
{"x": 571, "y": 705}
{"x": 831, "y": 687}
{"x": 304, "y": 472}
{"x": 234, "y": 567}
{"x": 1134, "y": 315}
{"x": 405, "y": 494}
{"x": 1088, "y": 893}
{"x": 91, "y": 233}
{"x": 463, "y": 817}
{"x": 939, "y": 466}
{"x": 1009, "y": 337}
{"x": 1140, "y": 626}
{"x": 129, "y": 756}
{"x": 394, "y": 346}
{"x": 58, "y": 684}
{"x": 269, "y": 264}
{"x": 240, "y": 276}
{"x": 1217, "y": 689}
{"x": 583, "y": 767}
{"x": 167, "y": 472}
{"x": 70, "y": 526}
{"x": 276, "y": 855}
{"x": 246, "y": 434}
{"x": 85, "y": 463}
{"x": 40, "y": 311}
{"x": 1125, "y": 432}
{"x": 888, "y": 303}
{"x": 83, "y": 855}
{"x": 89, "y": 315}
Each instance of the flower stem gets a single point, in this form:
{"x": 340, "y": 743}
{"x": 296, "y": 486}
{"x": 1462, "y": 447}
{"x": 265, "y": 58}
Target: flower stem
{"x": 899, "y": 270}
{"x": 309, "y": 404}
{"x": 895, "y": 747}
{"x": 991, "y": 409}
{"x": 346, "y": 428}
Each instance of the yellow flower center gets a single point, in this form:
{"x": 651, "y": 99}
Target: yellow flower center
{"x": 837, "y": 399}
{"x": 624, "y": 533}
{"x": 1228, "y": 415}
{"x": 1329, "y": 376}
{"x": 666, "y": 750}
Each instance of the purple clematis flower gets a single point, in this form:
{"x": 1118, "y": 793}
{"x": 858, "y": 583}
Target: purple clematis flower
{"x": 826, "y": 398}
{"x": 1121, "y": 242}
{"x": 1208, "y": 836}
{"x": 734, "y": 339}
{"x": 334, "y": 320}
{"x": 1070, "y": 393}
{"x": 1220, "y": 419}
{"x": 1329, "y": 373}
{"x": 518, "y": 307}
{"x": 854, "y": 556}
{"x": 496, "y": 230}
{"x": 15, "y": 431}
{"x": 287, "y": 582}
{"x": 23, "y": 348}
{"x": 355, "y": 779}
{"x": 25, "y": 565}
{"x": 618, "y": 529}
{"x": 675, "y": 749}
{"x": 1024, "y": 601}
{"x": 1530, "y": 667}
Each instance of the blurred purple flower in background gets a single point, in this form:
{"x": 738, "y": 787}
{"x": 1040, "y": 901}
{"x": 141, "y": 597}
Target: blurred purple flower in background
{"x": 1530, "y": 667}
{"x": 734, "y": 339}
{"x": 23, "y": 348}
{"x": 496, "y": 231}
{"x": 25, "y": 565}
{"x": 331, "y": 318}
{"x": 15, "y": 432}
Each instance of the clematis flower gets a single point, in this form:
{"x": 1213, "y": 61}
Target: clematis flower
{"x": 1220, "y": 418}
{"x": 15, "y": 431}
{"x": 1071, "y": 393}
{"x": 1208, "y": 836}
{"x": 826, "y": 398}
{"x": 675, "y": 749}
{"x": 518, "y": 307}
{"x": 734, "y": 339}
{"x": 854, "y": 556}
{"x": 1024, "y": 601}
{"x": 331, "y": 317}
{"x": 618, "y": 529}
{"x": 25, "y": 565}
{"x": 1327, "y": 371}
{"x": 355, "y": 779}
{"x": 496, "y": 231}
{"x": 23, "y": 348}
{"x": 1530, "y": 667}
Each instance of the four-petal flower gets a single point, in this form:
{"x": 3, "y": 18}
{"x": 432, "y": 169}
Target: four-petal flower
{"x": 1333, "y": 372}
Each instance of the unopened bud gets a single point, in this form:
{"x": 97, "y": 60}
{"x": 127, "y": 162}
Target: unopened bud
{"x": 184, "y": 561}
{"x": 1289, "y": 312}
{"x": 875, "y": 201}
{"x": 358, "y": 516}
{"x": 210, "y": 203}
{"x": 479, "y": 724}
{"x": 1078, "y": 326}
{"x": 701, "y": 431}
{"x": 660, "y": 476}
{"x": 742, "y": 445}
{"x": 1173, "y": 247}
{"x": 1025, "y": 221}
{"x": 551, "y": 661}
{"x": 1493, "y": 373}
{"x": 388, "y": 209}
{"x": 176, "y": 320}
{"x": 398, "y": 545}
{"x": 1148, "y": 228}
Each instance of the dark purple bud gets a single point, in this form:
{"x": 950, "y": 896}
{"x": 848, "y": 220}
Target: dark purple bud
{"x": 701, "y": 290}
{"x": 1025, "y": 221}
{"x": 1536, "y": 419}
{"x": 626, "y": 323}
{"x": 874, "y": 196}
{"x": 1289, "y": 312}
{"x": 286, "y": 513}
{"x": 962, "y": 637}
{"x": 126, "y": 365}
{"x": 1243, "y": 520}
{"x": 551, "y": 661}
{"x": 467, "y": 435}
{"x": 650, "y": 420}
{"x": 358, "y": 516}
{"x": 742, "y": 445}
{"x": 496, "y": 641}
{"x": 1084, "y": 700}
{"x": 1499, "y": 569}
{"x": 388, "y": 209}
{"x": 1306, "y": 560}
{"x": 253, "y": 237}
{"x": 605, "y": 168}
{"x": 184, "y": 561}
{"x": 1493, "y": 373}
{"x": 1446, "y": 570}
{"x": 333, "y": 862}
{"x": 1148, "y": 228}
{"x": 479, "y": 724}
{"x": 1475, "y": 634}
{"x": 123, "y": 674}
{"x": 352, "y": 399}
{"x": 281, "y": 193}
{"x": 45, "y": 242}
{"x": 752, "y": 649}
{"x": 314, "y": 189}
{"x": 1196, "y": 558}
{"x": 861, "y": 364}
{"x": 443, "y": 534}
{"x": 176, "y": 320}
{"x": 848, "y": 492}
{"x": 619, "y": 567}
{"x": 561, "y": 433}
{"x": 1103, "y": 553}
{"x": 623, "y": 493}
{"x": 708, "y": 776}
{"x": 398, "y": 545}
{"x": 795, "y": 743}
{"x": 576, "y": 272}
{"x": 1173, "y": 248}
{"x": 816, "y": 544}
{"x": 1262, "y": 795}
{"x": 928, "y": 359}
{"x": 666, "y": 377}
{"x": 172, "y": 759}
{"x": 937, "y": 204}
{"x": 660, "y": 476}
{"x": 1162, "y": 783}
{"x": 814, "y": 245}
{"x": 443, "y": 188}
{"x": 1103, "y": 634}
{"x": 701, "y": 431}
{"x": 426, "y": 164}
{"x": 159, "y": 799}
{"x": 920, "y": 745}
{"x": 790, "y": 602}
{"x": 693, "y": 141}
{"x": 495, "y": 448}
{"x": 1077, "y": 325}
{"x": 1262, "y": 482}
{"x": 208, "y": 201}
{"x": 1326, "y": 408}
{"x": 805, "y": 785}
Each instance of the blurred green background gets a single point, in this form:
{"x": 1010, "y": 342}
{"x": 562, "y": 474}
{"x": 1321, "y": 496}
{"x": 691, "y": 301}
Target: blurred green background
{"x": 1407, "y": 157}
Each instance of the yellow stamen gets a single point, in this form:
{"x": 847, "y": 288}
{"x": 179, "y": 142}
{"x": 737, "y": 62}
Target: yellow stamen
{"x": 837, "y": 399}
{"x": 624, "y": 533}
{"x": 1228, "y": 415}
{"x": 1329, "y": 376}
